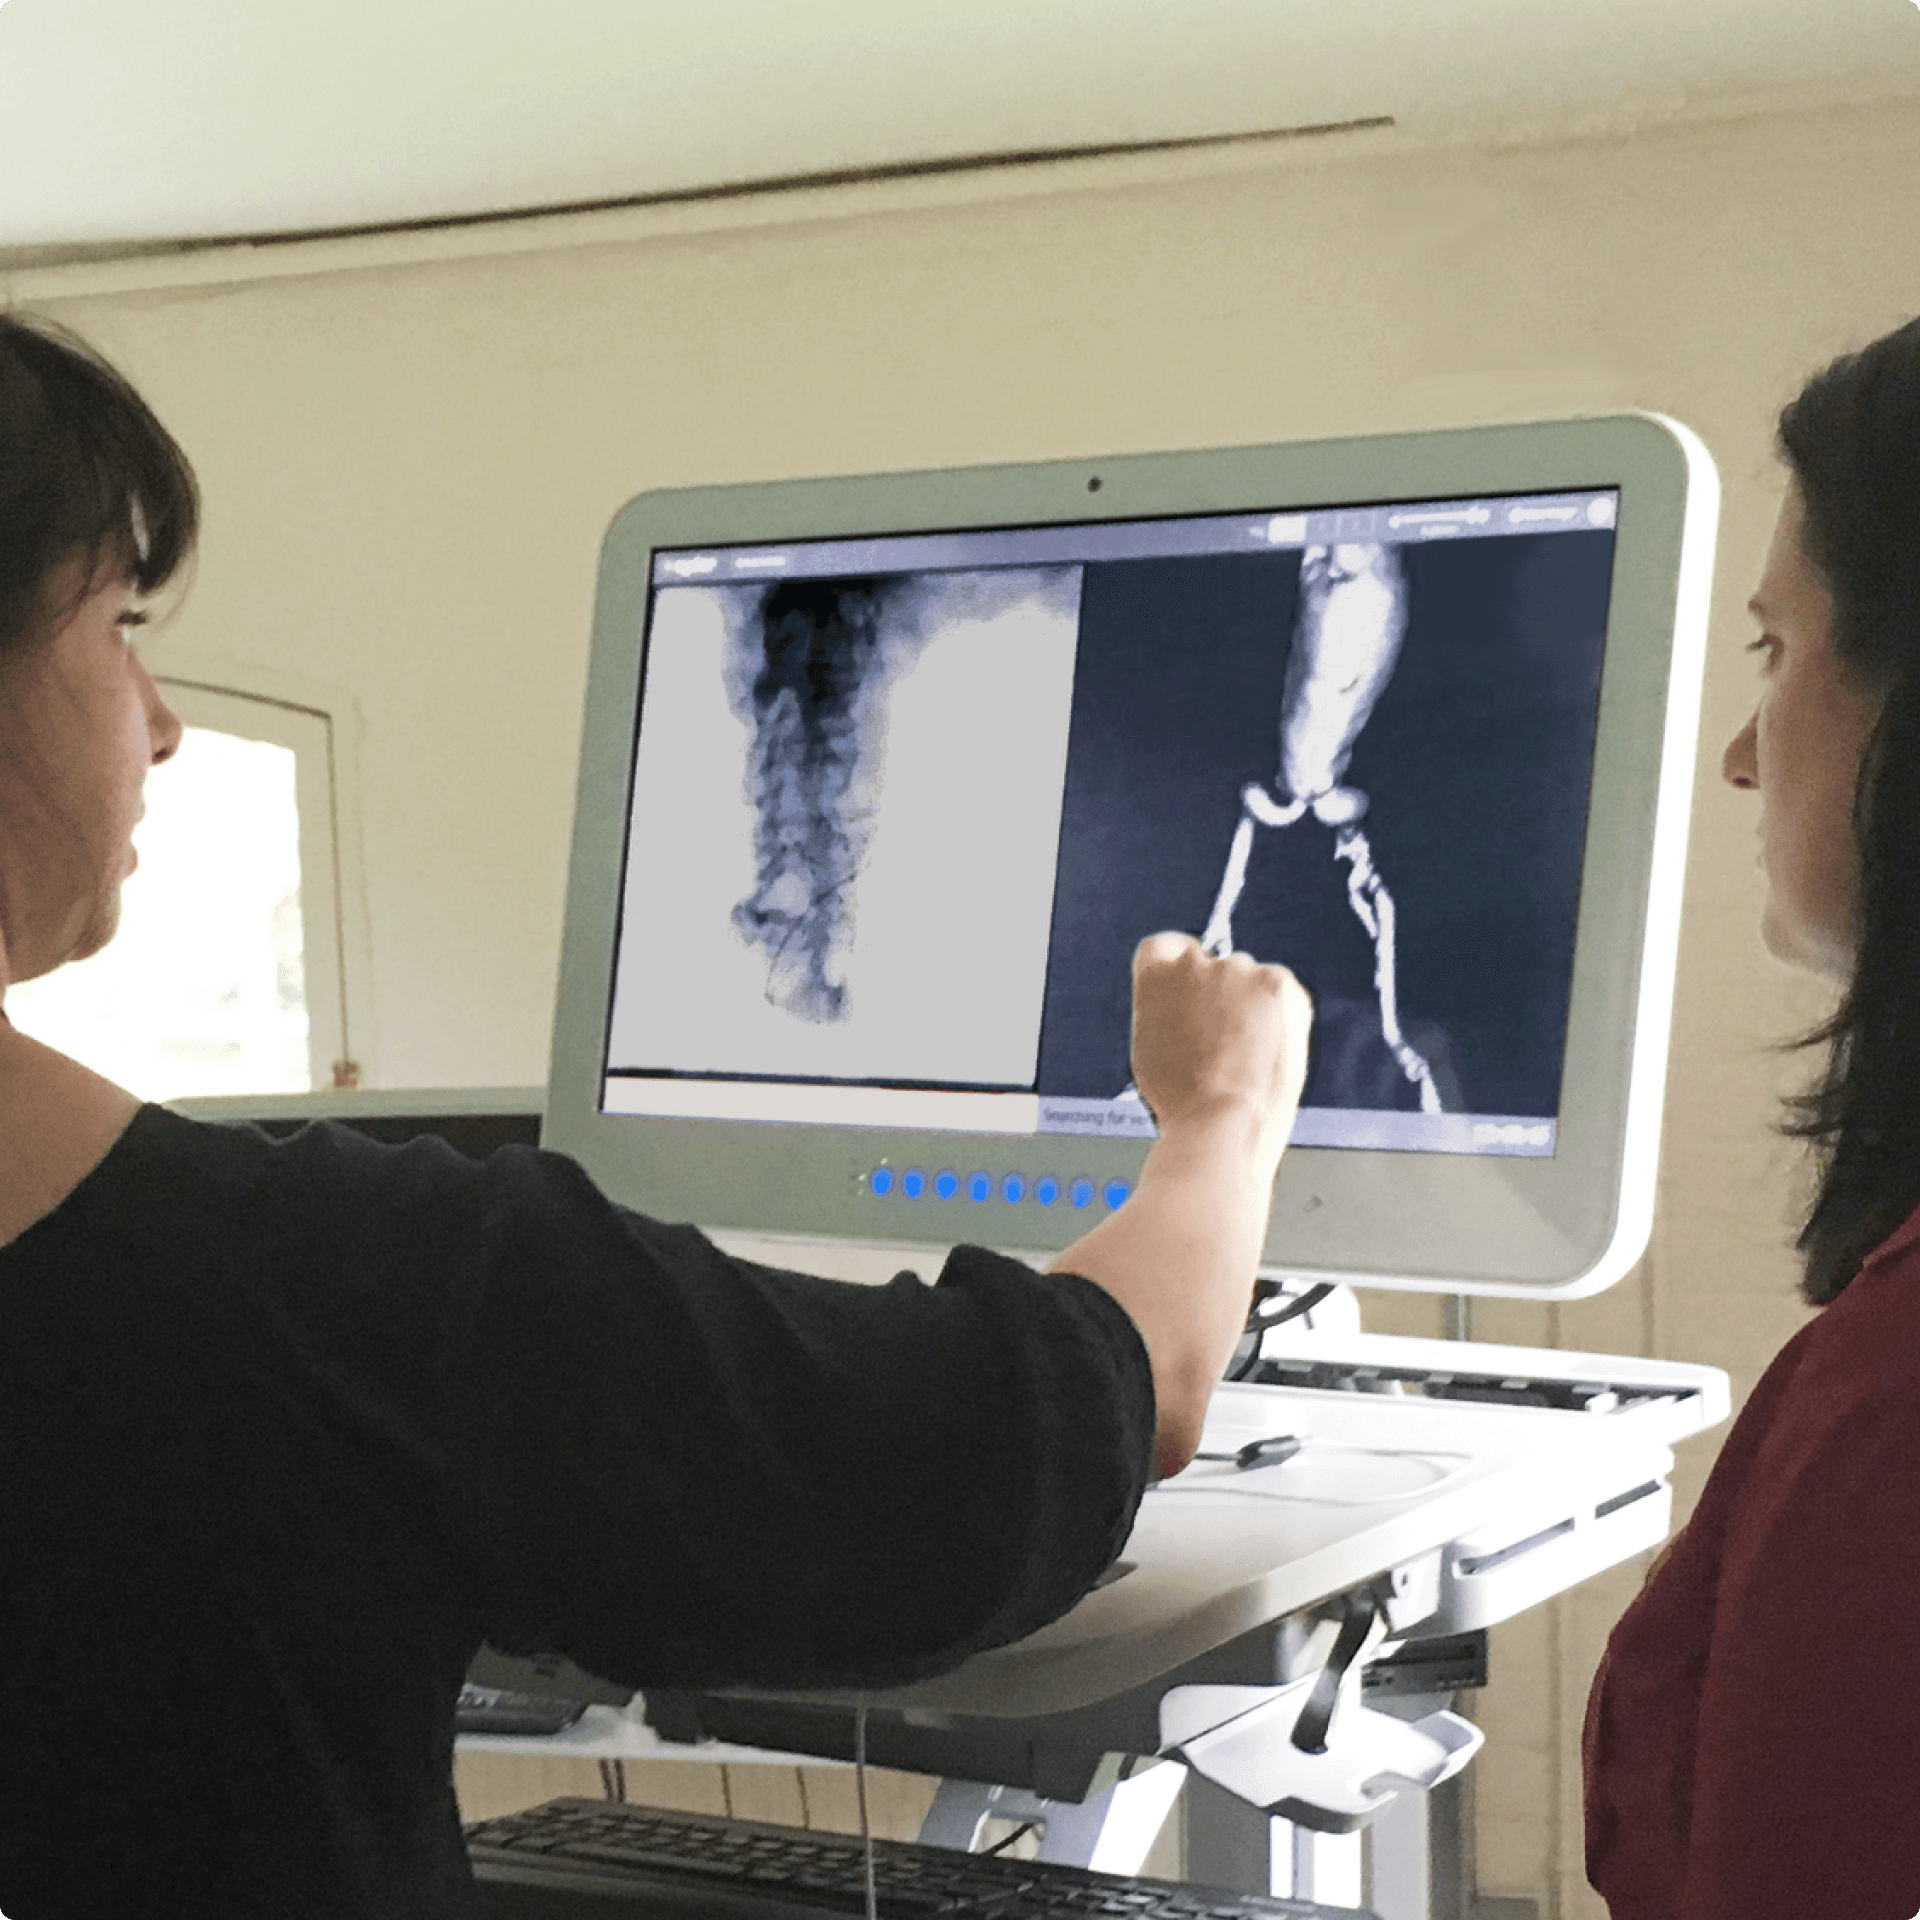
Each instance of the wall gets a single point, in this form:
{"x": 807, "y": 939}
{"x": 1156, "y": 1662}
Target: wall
{"x": 410, "y": 448}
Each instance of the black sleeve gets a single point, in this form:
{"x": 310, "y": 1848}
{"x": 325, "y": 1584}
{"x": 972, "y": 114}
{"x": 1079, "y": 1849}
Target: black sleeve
{"x": 684, "y": 1469}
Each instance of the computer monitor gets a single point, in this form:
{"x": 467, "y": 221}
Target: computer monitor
{"x": 883, "y": 779}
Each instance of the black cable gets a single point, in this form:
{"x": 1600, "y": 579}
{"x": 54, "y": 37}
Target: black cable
{"x": 1263, "y": 1314}
{"x": 1310, "y": 1730}
{"x": 1260, "y": 1321}
{"x": 1269, "y": 1452}
{"x": 1019, "y": 1833}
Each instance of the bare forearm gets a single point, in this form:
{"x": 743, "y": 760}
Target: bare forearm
{"x": 1219, "y": 1056}
{"x": 1180, "y": 1256}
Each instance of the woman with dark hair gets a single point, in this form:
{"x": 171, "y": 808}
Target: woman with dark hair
{"x": 1752, "y": 1742}
{"x": 287, "y": 1429}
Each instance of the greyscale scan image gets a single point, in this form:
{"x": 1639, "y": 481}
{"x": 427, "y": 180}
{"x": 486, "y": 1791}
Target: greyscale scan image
{"x": 903, "y": 829}
{"x": 863, "y": 777}
{"x": 810, "y": 667}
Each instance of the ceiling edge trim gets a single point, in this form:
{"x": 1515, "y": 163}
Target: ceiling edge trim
{"x": 915, "y": 186}
{"x": 850, "y": 193}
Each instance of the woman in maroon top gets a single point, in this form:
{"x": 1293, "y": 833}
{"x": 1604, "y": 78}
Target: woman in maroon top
{"x": 1752, "y": 1743}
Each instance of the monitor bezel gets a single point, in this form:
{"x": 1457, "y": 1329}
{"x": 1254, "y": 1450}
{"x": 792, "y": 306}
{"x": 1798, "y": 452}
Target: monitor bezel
{"x": 1481, "y": 1224}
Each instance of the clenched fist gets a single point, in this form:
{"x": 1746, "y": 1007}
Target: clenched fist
{"x": 1216, "y": 1036}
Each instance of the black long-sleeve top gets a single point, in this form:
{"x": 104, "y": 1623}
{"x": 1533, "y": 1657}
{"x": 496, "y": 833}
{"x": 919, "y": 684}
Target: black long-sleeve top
{"x": 288, "y": 1428}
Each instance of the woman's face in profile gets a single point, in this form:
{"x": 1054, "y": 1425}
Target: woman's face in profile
{"x": 1801, "y": 754}
{"x": 81, "y": 722}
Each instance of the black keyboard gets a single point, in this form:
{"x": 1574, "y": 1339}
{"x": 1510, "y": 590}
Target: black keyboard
{"x": 604, "y": 1859}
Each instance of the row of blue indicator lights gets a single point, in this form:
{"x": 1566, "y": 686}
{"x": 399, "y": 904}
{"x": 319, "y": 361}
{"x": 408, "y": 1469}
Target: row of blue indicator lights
{"x": 980, "y": 1187}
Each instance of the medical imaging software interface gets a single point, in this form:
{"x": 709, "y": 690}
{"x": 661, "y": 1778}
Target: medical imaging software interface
{"x": 902, "y": 808}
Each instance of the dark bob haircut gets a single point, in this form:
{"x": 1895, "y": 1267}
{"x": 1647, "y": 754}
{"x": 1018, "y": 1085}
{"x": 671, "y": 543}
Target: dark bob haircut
{"x": 1852, "y": 440}
{"x": 87, "y": 476}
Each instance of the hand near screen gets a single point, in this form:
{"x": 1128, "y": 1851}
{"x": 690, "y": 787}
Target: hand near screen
{"x": 1219, "y": 1055}
{"x": 1218, "y": 1035}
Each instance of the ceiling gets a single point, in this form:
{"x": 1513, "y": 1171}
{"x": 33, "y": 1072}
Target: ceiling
{"x": 126, "y": 124}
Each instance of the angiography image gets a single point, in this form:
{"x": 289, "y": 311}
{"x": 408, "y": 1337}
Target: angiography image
{"x": 845, "y": 824}
{"x": 1349, "y": 624}
{"x": 1367, "y": 761}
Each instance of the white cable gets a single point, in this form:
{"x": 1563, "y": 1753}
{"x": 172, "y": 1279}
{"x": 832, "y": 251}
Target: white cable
{"x": 860, "y": 1789}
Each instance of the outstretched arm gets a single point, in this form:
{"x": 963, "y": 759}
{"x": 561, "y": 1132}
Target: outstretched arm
{"x": 1219, "y": 1056}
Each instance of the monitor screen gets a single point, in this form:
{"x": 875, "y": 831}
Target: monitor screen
{"x": 884, "y": 781}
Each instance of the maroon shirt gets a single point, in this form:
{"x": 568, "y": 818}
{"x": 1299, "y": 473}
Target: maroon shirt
{"x": 1752, "y": 1742}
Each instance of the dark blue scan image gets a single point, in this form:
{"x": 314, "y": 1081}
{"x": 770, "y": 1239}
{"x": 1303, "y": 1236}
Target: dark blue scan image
{"x": 1475, "y": 765}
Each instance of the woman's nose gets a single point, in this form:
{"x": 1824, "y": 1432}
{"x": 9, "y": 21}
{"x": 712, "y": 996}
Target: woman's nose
{"x": 163, "y": 725}
{"x": 1737, "y": 766}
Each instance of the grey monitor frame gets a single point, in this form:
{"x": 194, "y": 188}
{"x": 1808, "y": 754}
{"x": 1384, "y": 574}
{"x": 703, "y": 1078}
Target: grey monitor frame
{"x": 1560, "y": 1227}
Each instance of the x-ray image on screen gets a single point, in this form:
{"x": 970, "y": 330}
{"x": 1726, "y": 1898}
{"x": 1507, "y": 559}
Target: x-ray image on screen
{"x": 846, "y": 808}
{"x": 1349, "y": 625}
{"x": 1227, "y": 747}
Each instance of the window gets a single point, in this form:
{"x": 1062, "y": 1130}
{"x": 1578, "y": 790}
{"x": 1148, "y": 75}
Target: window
{"x": 225, "y": 976}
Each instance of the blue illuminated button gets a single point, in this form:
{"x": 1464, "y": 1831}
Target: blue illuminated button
{"x": 913, "y": 1183}
{"x": 946, "y": 1185}
{"x": 1115, "y": 1192}
{"x": 1013, "y": 1189}
{"x": 980, "y": 1186}
{"x": 881, "y": 1181}
{"x": 1082, "y": 1193}
{"x": 1046, "y": 1189}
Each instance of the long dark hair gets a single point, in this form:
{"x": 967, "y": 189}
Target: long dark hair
{"x": 87, "y": 475}
{"x": 1852, "y": 440}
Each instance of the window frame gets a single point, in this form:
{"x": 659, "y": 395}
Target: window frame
{"x": 313, "y": 733}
